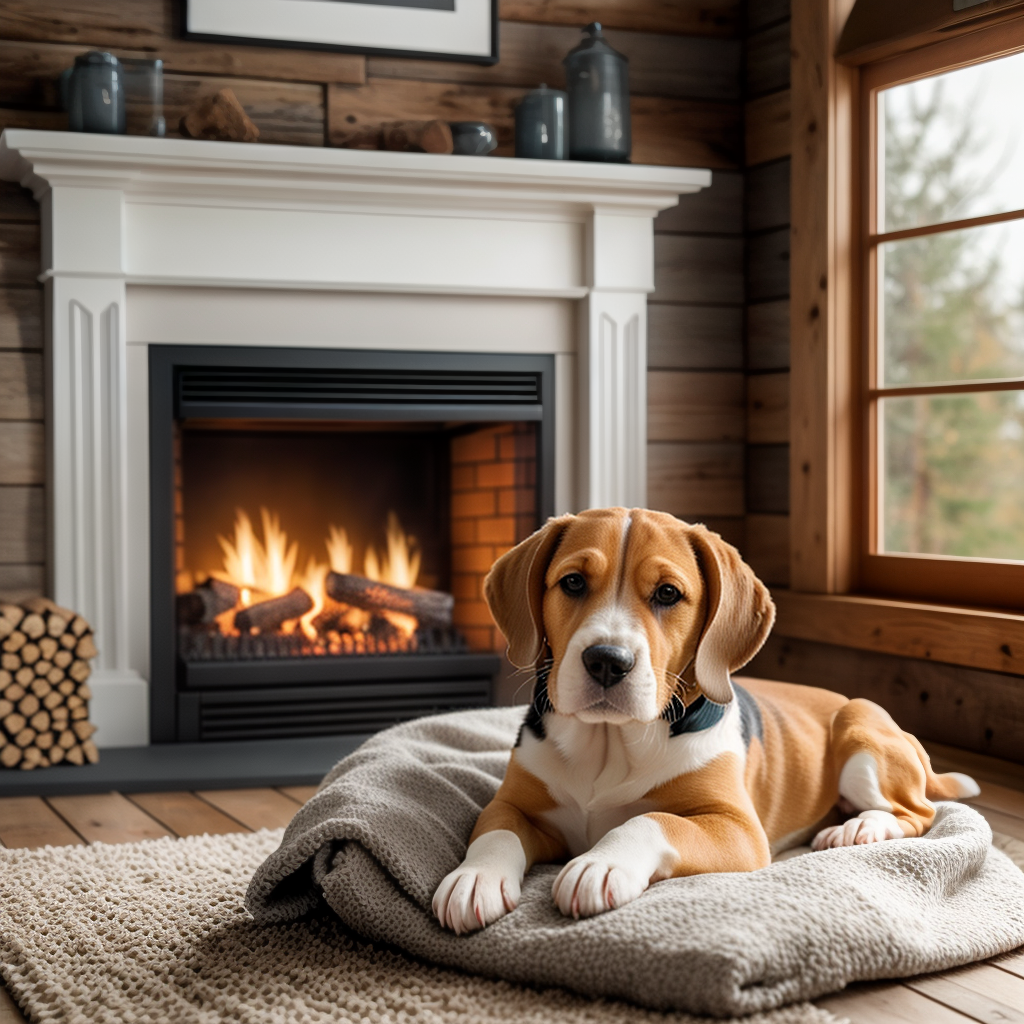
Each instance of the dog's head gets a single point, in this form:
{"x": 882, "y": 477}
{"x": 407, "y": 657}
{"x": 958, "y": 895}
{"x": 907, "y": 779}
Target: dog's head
{"x": 626, "y": 601}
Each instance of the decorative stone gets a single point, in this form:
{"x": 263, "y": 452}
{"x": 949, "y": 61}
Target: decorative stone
{"x": 219, "y": 117}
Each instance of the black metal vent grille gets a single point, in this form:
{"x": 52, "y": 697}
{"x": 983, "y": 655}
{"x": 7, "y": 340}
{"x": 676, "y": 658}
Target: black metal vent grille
{"x": 200, "y": 388}
{"x": 323, "y": 711}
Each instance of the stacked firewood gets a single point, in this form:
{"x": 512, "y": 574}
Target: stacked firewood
{"x": 44, "y": 693}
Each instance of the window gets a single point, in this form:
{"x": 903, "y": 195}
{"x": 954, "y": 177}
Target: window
{"x": 943, "y": 278}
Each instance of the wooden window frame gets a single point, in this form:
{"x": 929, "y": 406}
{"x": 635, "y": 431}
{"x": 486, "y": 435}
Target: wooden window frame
{"x": 831, "y": 435}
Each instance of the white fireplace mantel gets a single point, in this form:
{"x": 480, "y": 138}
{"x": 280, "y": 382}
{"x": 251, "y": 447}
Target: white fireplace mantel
{"x": 180, "y": 241}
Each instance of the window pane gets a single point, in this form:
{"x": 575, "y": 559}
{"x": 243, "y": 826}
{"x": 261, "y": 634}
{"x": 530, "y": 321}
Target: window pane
{"x": 952, "y": 146}
{"x": 952, "y": 306}
{"x": 953, "y": 475}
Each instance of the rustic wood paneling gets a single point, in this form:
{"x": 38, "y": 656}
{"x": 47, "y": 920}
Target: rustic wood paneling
{"x": 767, "y": 60}
{"x": 21, "y": 317}
{"x": 698, "y": 270}
{"x": 767, "y": 196}
{"x": 766, "y": 126}
{"x": 686, "y": 133}
{"x": 762, "y": 13}
{"x": 963, "y": 707}
{"x": 18, "y": 582}
{"x": 681, "y": 17}
{"x": 729, "y": 528}
{"x": 286, "y": 113}
{"x": 44, "y": 120}
{"x": 768, "y": 265}
{"x": 659, "y": 65}
{"x": 21, "y": 386}
{"x": 768, "y": 408}
{"x": 694, "y": 406}
{"x": 768, "y": 335}
{"x": 694, "y": 337}
{"x": 22, "y": 524}
{"x": 716, "y": 210}
{"x": 768, "y": 478}
{"x": 19, "y": 253}
{"x": 766, "y": 550}
{"x": 16, "y": 203}
{"x": 43, "y": 44}
{"x": 22, "y": 455}
{"x": 695, "y": 480}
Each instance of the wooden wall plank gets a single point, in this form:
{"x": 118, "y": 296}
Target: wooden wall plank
{"x": 698, "y": 270}
{"x": 962, "y": 707}
{"x": 38, "y": 62}
{"x": 768, "y": 408}
{"x": 686, "y": 133}
{"x": 22, "y": 525}
{"x": 767, "y": 60}
{"x": 659, "y": 64}
{"x": 716, "y": 210}
{"x": 106, "y": 818}
{"x": 729, "y": 528}
{"x": 767, "y": 258}
{"x": 766, "y": 121}
{"x": 695, "y": 480}
{"x": 18, "y": 582}
{"x": 16, "y": 203}
{"x": 140, "y": 24}
{"x": 766, "y": 548}
{"x": 768, "y": 335}
{"x": 44, "y": 120}
{"x": 766, "y": 201}
{"x": 681, "y": 17}
{"x": 768, "y": 478}
{"x": 22, "y": 453}
{"x": 694, "y": 337}
{"x": 27, "y": 823}
{"x": 19, "y": 254}
{"x": 21, "y": 386}
{"x": 762, "y": 13}
{"x": 688, "y": 406}
{"x": 286, "y": 113}
{"x": 21, "y": 317}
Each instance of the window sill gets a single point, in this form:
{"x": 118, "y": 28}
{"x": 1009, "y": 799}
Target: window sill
{"x": 974, "y": 637}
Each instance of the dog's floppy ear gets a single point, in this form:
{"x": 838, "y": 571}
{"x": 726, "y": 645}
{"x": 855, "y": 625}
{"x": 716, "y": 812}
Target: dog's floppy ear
{"x": 514, "y": 589}
{"x": 739, "y": 617}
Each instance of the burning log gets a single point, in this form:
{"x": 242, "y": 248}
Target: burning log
{"x": 272, "y": 614}
{"x": 202, "y": 605}
{"x": 430, "y": 607}
{"x": 43, "y": 690}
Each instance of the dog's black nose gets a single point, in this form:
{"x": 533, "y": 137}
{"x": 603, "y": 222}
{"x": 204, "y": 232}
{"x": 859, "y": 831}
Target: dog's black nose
{"x": 608, "y": 664}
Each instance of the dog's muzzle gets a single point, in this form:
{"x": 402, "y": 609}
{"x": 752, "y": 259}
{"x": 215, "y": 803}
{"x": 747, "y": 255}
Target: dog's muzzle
{"x": 608, "y": 664}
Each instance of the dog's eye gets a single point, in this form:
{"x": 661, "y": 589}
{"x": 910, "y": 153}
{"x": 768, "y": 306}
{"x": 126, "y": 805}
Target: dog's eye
{"x": 574, "y": 584}
{"x": 667, "y": 594}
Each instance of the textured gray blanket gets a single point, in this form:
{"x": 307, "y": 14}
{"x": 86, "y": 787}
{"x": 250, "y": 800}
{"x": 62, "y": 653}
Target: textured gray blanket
{"x": 393, "y": 818}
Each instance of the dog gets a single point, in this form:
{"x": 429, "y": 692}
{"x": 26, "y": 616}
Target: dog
{"x": 639, "y": 758}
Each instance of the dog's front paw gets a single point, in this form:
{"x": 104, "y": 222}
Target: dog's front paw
{"x": 485, "y": 886}
{"x": 591, "y": 884}
{"x": 867, "y": 827}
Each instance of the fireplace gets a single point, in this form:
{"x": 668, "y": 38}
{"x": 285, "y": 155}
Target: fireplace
{"x": 322, "y": 522}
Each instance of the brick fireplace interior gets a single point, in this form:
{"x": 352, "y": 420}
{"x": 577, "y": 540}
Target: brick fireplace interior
{"x": 322, "y": 525}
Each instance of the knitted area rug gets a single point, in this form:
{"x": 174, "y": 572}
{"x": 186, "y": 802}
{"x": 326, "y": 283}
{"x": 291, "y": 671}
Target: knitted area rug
{"x": 155, "y": 932}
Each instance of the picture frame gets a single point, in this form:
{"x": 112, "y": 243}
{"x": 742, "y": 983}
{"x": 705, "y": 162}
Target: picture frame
{"x": 465, "y": 31}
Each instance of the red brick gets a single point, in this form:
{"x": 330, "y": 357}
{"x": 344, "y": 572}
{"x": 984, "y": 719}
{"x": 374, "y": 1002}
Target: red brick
{"x": 526, "y": 472}
{"x": 467, "y": 586}
{"x": 464, "y": 531}
{"x": 475, "y": 559}
{"x": 526, "y": 523}
{"x": 473, "y": 504}
{"x": 480, "y": 446}
{"x": 517, "y": 500}
{"x": 464, "y": 478}
{"x": 497, "y": 531}
{"x": 472, "y": 613}
{"x": 496, "y": 474}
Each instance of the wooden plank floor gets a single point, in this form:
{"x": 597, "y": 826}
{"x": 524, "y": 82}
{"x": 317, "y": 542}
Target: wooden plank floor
{"x": 989, "y": 993}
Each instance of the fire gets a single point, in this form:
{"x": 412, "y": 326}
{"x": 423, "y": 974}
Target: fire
{"x": 264, "y": 567}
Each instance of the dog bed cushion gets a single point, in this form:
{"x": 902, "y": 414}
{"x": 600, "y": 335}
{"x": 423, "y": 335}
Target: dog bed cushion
{"x": 392, "y": 819}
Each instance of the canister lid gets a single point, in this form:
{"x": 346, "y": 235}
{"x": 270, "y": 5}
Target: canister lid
{"x": 593, "y": 43}
{"x": 96, "y": 58}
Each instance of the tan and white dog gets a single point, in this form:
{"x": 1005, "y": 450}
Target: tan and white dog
{"x": 639, "y": 758}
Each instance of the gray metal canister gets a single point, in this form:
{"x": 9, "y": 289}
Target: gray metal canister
{"x": 597, "y": 80}
{"x": 540, "y": 125}
{"x": 96, "y": 94}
